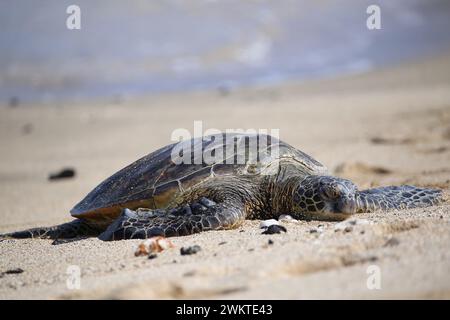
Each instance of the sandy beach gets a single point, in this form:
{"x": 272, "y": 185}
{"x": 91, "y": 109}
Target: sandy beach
{"x": 387, "y": 127}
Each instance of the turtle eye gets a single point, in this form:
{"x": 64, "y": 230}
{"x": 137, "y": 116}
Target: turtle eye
{"x": 331, "y": 192}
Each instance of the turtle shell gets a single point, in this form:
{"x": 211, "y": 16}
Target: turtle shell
{"x": 155, "y": 180}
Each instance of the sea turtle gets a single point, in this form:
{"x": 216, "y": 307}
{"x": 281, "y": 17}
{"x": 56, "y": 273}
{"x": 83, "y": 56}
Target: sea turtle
{"x": 217, "y": 181}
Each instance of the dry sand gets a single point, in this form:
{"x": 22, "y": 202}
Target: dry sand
{"x": 386, "y": 127}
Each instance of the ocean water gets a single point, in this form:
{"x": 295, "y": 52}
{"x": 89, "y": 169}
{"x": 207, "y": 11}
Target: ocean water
{"x": 127, "y": 48}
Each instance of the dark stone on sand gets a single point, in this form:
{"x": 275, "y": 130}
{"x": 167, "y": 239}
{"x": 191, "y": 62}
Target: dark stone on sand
{"x": 190, "y": 250}
{"x": 63, "y": 174}
{"x": 14, "y": 271}
{"x": 275, "y": 228}
{"x": 390, "y": 141}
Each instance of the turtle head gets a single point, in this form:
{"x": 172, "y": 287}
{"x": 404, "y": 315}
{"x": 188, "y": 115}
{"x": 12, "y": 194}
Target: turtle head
{"x": 325, "y": 197}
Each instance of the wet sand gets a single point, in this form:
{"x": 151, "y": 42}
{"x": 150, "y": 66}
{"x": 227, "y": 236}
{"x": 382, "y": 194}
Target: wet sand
{"x": 380, "y": 128}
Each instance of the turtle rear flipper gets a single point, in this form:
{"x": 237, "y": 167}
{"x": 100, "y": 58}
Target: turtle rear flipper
{"x": 397, "y": 197}
{"x": 73, "y": 229}
{"x": 199, "y": 216}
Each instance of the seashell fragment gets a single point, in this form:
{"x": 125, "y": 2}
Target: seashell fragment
{"x": 153, "y": 245}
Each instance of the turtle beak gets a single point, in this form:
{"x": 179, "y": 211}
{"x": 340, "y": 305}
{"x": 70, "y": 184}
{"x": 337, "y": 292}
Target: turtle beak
{"x": 345, "y": 205}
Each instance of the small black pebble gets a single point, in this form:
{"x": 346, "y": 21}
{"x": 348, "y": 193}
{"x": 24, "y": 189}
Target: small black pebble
{"x": 313, "y": 231}
{"x": 241, "y": 230}
{"x": 223, "y": 242}
{"x": 348, "y": 229}
{"x": 63, "y": 174}
{"x": 270, "y": 242}
{"x": 274, "y": 228}
{"x": 190, "y": 250}
{"x": 14, "y": 271}
{"x": 152, "y": 256}
{"x": 251, "y": 249}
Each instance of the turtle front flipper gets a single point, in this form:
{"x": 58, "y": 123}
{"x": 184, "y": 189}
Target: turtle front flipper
{"x": 199, "y": 216}
{"x": 396, "y": 197}
{"x": 73, "y": 229}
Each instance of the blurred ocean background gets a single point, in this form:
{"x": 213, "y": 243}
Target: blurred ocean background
{"x": 128, "y": 48}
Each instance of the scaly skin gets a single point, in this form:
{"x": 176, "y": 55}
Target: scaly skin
{"x": 396, "y": 197}
{"x": 224, "y": 204}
